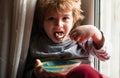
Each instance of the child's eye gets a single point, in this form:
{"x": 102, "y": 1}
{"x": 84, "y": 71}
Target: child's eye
{"x": 65, "y": 18}
{"x": 51, "y": 18}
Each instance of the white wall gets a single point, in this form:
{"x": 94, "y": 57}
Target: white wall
{"x": 110, "y": 21}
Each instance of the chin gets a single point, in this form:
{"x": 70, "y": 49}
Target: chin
{"x": 58, "y": 41}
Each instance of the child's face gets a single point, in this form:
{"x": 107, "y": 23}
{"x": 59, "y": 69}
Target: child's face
{"x": 57, "y": 25}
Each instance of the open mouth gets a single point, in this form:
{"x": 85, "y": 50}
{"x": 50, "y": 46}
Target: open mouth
{"x": 59, "y": 35}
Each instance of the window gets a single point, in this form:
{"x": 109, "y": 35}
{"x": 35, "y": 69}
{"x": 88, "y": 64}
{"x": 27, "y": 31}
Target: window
{"x": 107, "y": 17}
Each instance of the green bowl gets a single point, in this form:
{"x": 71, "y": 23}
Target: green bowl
{"x": 60, "y": 66}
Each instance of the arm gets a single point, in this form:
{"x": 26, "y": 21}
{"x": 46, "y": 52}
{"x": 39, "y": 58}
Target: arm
{"x": 84, "y": 33}
{"x": 98, "y": 39}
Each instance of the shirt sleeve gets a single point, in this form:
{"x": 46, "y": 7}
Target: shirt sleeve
{"x": 98, "y": 46}
{"x": 98, "y": 50}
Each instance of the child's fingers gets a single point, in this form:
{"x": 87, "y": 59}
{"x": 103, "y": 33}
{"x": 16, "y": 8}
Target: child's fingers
{"x": 103, "y": 58}
{"x": 102, "y": 55}
{"x": 75, "y": 36}
{"x": 38, "y": 63}
{"x": 38, "y": 68}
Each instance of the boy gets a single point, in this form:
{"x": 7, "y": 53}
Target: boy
{"x": 60, "y": 37}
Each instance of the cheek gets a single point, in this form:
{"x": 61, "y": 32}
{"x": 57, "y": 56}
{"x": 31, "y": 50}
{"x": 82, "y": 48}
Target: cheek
{"x": 46, "y": 26}
{"x": 70, "y": 26}
{"x": 48, "y": 29}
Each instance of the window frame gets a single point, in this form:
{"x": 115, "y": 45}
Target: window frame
{"x": 97, "y": 24}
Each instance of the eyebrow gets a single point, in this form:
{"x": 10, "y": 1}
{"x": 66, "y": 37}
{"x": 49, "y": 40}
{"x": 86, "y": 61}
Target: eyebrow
{"x": 67, "y": 14}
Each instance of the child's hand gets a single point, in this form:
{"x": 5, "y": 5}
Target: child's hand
{"x": 41, "y": 73}
{"x": 102, "y": 55}
{"x": 82, "y": 33}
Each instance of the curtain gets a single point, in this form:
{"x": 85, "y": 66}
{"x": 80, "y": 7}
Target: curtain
{"x": 4, "y": 36}
{"x": 15, "y": 26}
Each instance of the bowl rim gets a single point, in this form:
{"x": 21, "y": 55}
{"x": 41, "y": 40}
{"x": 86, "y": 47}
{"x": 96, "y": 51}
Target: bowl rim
{"x": 77, "y": 62}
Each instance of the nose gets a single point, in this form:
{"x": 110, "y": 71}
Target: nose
{"x": 59, "y": 23}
